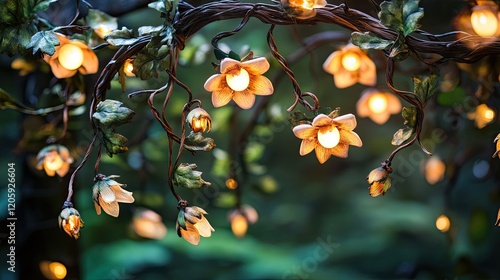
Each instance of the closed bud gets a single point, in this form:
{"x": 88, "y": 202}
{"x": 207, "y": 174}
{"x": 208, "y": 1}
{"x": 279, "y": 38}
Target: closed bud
{"x": 379, "y": 180}
{"x": 199, "y": 120}
{"x": 70, "y": 221}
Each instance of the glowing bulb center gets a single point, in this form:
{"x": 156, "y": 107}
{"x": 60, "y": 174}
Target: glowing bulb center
{"x": 377, "y": 103}
{"x": 443, "y": 223}
{"x": 239, "y": 225}
{"x": 307, "y": 4}
{"x": 238, "y": 81}
{"x": 329, "y": 138}
{"x": 70, "y": 56}
{"x": 128, "y": 68}
{"x": 53, "y": 161}
{"x": 489, "y": 115}
{"x": 58, "y": 270}
{"x": 351, "y": 61}
{"x": 484, "y": 22}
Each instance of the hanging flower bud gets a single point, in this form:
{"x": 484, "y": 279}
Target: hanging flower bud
{"x": 191, "y": 223}
{"x": 497, "y": 150}
{"x": 379, "y": 180}
{"x": 54, "y": 159}
{"x": 199, "y": 120}
{"x": 70, "y": 220}
{"x": 186, "y": 176}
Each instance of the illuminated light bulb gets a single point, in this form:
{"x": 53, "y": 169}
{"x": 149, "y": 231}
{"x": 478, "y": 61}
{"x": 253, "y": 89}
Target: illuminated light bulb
{"x": 484, "y": 21}
{"x": 231, "y": 184}
{"x": 329, "y": 138}
{"x": 351, "y": 61}
{"x": 443, "y": 223}
{"x": 128, "y": 68}
{"x": 488, "y": 114}
{"x": 239, "y": 225}
{"x": 307, "y": 4}
{"x": 53, "y": 161}
{"x": 434, "y": 170}
{"x": 238, "y": 81}
{"x": 70, "y": 56}
{"x": 377, "y": 103}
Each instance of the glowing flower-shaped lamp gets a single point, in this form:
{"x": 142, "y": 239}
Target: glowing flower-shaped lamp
{"x": 302, "y": 9}
{"x": 350, "y": 65}
{"x": 192, "y": 223}
{"x": 128, "y": 68}
{"x": 106, "y": 194}
{"x": 70, "y": 57}
{"x": 484, "y": 19}
{"x": 54, "y": 159}
{"x": 199, "y": 120}
{"x": 70, "y": 221}
{"x": 377, "y": 105}
{"x": 328, "y": 136}
{"x": 482, "y": 115}
{"x": 239, "y": 81}
{"x": 148, "y": 224}
{"x": 434, "y": 170}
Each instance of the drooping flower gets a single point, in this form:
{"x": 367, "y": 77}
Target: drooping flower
{"x": 191, "y": 223}
{"x": 199, "y": 120}
{"x": 70, "y": 221}
{"x": 379, "y": 180}
{"x": 328, "y": 136}
{"x": 302, "y": 9}
{"x": 106, "y": 193}
{"x": 497, "y": 152}
{"x": 54, "y": 159}
{"x": 239, "y": 81}
{"x": 72, "y": 56}
{"x": 148, "y": 224}
{"x": 350, "y": 65}
{"x": 377, "y": 105}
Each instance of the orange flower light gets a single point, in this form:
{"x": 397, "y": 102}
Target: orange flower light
{"x": 484, "y": 19}
{"x": 191, "y": 224}
{"x": 54, "y": 159}
{"x": 239, "y": 81}
{"x": 350, "y": 65}
{"x": 70, "y": 221}
{"x": 106, "y": 193}
{"x": 482, "y": 115}
{"x": 148, "y": 224}
{"x": 302, "y": 9}
{"x": 434, "y": 170}
{"x": 328, "y": 136}
{"x": 377, "y": 105}
{"x": 72, "y": 56}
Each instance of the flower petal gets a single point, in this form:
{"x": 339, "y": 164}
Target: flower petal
{"x": 244, "y": 99}
{"x": 350, "y": 138}
{"x": 307, "y": 146}
{"x": 332, "y": 64}
{"x": 97, "y": 208}
{"x": 341, "y": 150}
{"x": 380, "y": 118}
{"x": 367, "y": 71}
{"x": 319, "y": 3}
{"x": 63, "y": 170}
{"x": 257, "y": 66}
{"x": 344, "y": 78}
{"x": 346, "y": 122}
{"x": 48, "y": 171}
{"x": 90, "y": 63}
{"x": 107, "y": 194}
{"x": 322, "y": 120}
{"x": 122, "y": 195}
{"x": 394, "y": 105}
{"x": 204, "y": 228}
{"x": 59, "y": 71}
{"x": 112, "y": 209}
{"x": 305, "y": 131}
{"x": 215, "y": 82}
{"x": 261, "y": 85}
{"x": 228, "y": 64}
{"x": 191, "y": 234}
{"x": 222, "y": 97}
{"x": 322, "y": 153}
{"x": 362, "y": 108}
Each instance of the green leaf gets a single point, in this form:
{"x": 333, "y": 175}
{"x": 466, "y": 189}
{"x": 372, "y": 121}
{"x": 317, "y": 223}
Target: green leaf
{"x": 402, "y": 135}
{"x": 453, "y": 97}
{"x": 123, "y": 37}
{"x": 197, "y": 142}
{"x": 10, "y": 12}
{"x": 410, "y": 116}
{"x": 369, "y": 41}
{"x": 109, "y": 114}
{"x": 297, "y": 118}
{"x": 151, "y": 60}
{"x": 8, "y": 102}
{"x": 186, "y": 176}
{"x": 14, "y": 39}
{"x": 40, "y": 5}
{"x": 400, "y": 50}
{"x": 425, "y": 86}
{"x": 401, "y": 15}
{"x": 145, "y": 30}
{"x": 44, "y": 41}
{"x": 164, "y": 6}
{"x": 113, "y": 142}
{"x": 97, "y": 19}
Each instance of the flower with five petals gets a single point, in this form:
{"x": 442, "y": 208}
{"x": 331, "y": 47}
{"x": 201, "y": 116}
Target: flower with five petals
{"x": 106, "y": 193}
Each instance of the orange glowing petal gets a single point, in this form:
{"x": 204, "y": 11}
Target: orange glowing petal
{"x": 333, "y": 63}
{"x": 346, "y": 122}
{"x": 191, "y": 234}
{"x": 222, "y": 96}
{"x": 90, "y": 63}
{"x": 228, "y": 64}
{"x": 305, "y": 131}
{"x": 341, "y": 150}
{"x": 122, "y": 195}
{"x": 97, "y": 208}
{"x": 244, "y": 99}
{"x": 261, "y": 85}
{"x": 322, "y": 153}
{"x": 350, "y": 137}
{"x": 63, "y": 170}
{"x": 112, "y": 209}
{"x": 322, "y": 120}
{"x": 344, "y": 78}
{"x": 376, "y": 189}
{"x": 257, "y": 66}
{"x": 307, "y": 146}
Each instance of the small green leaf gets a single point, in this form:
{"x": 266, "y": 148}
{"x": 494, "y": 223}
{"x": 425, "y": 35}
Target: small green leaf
{"x": 425, "y": 86}
{"x": 401, "y": 136}
{"x": 14, "y": 39}
{"x": 401, "y": 15}
{"x": 145, "y": 30}
{"x": 109, "y": 114}
{"x": 400, "y": 50}
{"x": 197, "y": 142}
{"x": 123, "y": 37}
{"x": 40, "y": 5}
{"x": 369, "y": 41}
{"x": 411, "y": 15}
{"x": 113, "y": 142}
{"x": 186, "y": 176}
{"x": 151, "y": 60}
{"x": 297, "y": 118}
{"x": 164, "y": 6}
{"x": 410, "y": 116}
{"x": 44, "y": 41}
{"x": 181, "y": 220}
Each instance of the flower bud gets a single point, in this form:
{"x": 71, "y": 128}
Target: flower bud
{"x": 70, "y": 221}
{"x": 379, "y": 181}
{"x": 199, "y": 120}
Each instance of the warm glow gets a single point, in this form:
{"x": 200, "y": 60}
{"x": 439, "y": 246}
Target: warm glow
{"x": 488, "y": 114}
{"x": 148, "y": 224}
{"x": 70, "y": 56}
{"x": 238, "y": 81}
{"x": 128, "y": 68}
{"x": 329, "y": 138}
{"x": 351, "y": 61}
{"x": 377, "y": 103}
{"x": 231, "y": 184}
{"x": 239, "y": 225}
{"x": 443, "y": 223}
{"x": 58, "y": 270}
{"x": 434, "y": 170}
{"x": 306, "y": 4}
{"x": 484, "y": 22}
{"x": 103, "y": 31}
{"x": 53, "y": 161}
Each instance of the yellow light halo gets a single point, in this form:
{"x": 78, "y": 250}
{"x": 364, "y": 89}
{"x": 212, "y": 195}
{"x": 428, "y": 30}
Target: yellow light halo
{"x": 484, "y": 20}
{"x": 239, "y": 225}
{"x": 70, "y": 56}
{"x": 378, "y": 103}
{"x": 351, "y": 61}
{"x": 128, "y": 68}
{"x": 329, "y": 138}
{"x": 238, "y": 80}
{"x": 443, "y": 223}
{"x": 53, "y": 161}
